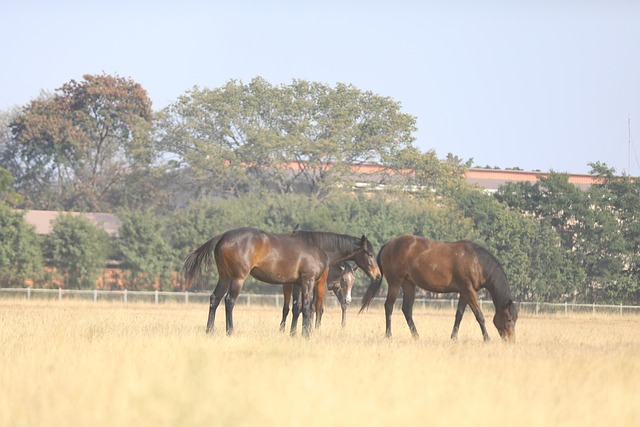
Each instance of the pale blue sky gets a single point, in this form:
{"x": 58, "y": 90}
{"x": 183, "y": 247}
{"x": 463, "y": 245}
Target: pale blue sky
{"x": 545, "y": 85}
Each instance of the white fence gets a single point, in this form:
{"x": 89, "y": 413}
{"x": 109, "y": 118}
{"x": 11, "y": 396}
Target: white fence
{"x": 158, "y": 297}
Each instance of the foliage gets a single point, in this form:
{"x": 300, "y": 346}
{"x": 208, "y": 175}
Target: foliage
{"x": 20, "y": 250}
{"x": 74, "y": 150}
{"x": 77, "y": 249}
{"x": 8, "y": 195}
{"x": 597, "y": 230}
{"x": 234, "y": 139}
{"x": 144, "y": 251}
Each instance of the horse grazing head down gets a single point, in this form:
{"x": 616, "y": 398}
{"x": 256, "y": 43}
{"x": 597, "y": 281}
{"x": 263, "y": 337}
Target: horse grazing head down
{"x": 505, "y": 321}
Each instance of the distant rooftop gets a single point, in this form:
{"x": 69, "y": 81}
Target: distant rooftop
{"x": 43, "y": 220}
{"x": 492, "y": 179}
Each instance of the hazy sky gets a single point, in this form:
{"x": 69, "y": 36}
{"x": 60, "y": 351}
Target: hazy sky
{"x": 546, "y": 85}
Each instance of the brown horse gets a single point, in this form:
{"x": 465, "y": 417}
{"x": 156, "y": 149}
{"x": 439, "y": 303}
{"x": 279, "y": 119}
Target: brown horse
{"x": 464, "y": 267}
{"x": 302, "y": 258}
{"x": 340, "y": 280}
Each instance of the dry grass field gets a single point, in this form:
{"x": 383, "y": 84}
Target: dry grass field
{"x": 107, "y": 364}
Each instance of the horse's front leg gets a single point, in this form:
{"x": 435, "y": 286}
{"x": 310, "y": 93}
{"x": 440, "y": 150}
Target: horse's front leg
{"x": 318, "y": 299}
{"x": 408, "y": 297}
{"x": 462, "y": 305}
{"x": 474, "y": 304}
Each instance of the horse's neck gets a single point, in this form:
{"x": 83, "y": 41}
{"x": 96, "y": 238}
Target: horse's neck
{"x": 337, "y": 252}
{"x": 337, "y": 257}
{"x": 500, "y": 297}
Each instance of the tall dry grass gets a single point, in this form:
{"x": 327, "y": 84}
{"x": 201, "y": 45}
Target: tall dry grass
{"x": 87, "y": 364}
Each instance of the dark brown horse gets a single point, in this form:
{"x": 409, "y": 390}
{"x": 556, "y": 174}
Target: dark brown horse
{"x": 464, "y": 267}
{"x": 301, "y": 258}
{"x": 340, "y": 280}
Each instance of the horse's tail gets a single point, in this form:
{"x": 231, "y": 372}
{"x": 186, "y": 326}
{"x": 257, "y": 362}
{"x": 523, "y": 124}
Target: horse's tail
{"x": 199, "y": 259}
{"x": 374, "y": 287}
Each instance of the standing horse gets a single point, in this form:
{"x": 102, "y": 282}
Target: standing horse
{"x": 464, "y": 267}
{"x": 340, "y": 280}
{"x": 302, "y": 258}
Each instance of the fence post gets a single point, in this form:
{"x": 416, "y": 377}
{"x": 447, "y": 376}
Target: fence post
{"x": 594, "y": 308}
{"x": 95, "y": 295}
{"x": 125, "y": 296}
{"x": 59, "y": 294}
{"x": 566, "y": 308}
{"x": 620, "y": 309}
{"x": 155, "y": 294}
{"x": 537, "y": 307}
{"x": 29, "y": 292}
{"x": 186, "y": 297}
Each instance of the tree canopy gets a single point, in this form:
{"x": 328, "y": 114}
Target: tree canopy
{"x": 76, "y": 149}
{"x": 236, "y": 138}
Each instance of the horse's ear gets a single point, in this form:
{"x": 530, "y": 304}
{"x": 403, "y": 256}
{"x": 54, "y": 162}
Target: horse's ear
{"x": 363, "y": 240}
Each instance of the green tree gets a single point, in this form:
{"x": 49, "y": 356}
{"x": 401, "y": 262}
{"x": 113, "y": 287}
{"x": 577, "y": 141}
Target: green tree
{"x": 437, "y": 178}
{"x": 231, "y": 139}
{"x": 8, "y": 195}
{"x": 530, "y": 252}
{"x": 145, "y": 253}
{"x": 618, "y": 197}
{"x": 78, "y": 250}
{"x": 589, "y": 226}
{"x": 20, "y": 250}
{"x": 74, "y": 150}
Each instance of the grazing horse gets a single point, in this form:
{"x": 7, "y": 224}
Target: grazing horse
{"x": 408, "y": 261}
{"x": 301, "y": 258}
{"x": 340, "y": 281}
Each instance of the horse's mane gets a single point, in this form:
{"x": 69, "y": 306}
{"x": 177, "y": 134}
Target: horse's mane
{"x": 495, "y": 278}
{"x": 329, "y": 242}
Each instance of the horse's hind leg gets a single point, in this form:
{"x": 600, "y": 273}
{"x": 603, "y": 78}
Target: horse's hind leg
{"x": 408, "y": 297}
{"x": 230, "y": 302}
{"x": 307, "y": 291}
{"x": 462, "y": 304}
{"x": 286, "y": 290}
{"x": 392, "y": 294}
{"x": 221, "y": 289}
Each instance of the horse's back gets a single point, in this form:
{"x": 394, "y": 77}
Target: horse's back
{"x": 269, "y": 257}
{"x": 430, "y": 264}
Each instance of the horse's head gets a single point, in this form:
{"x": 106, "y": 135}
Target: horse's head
{"x": 346, "y": 281}
{"x": 365, "y": 258}
{"x": 505, "y": 321}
